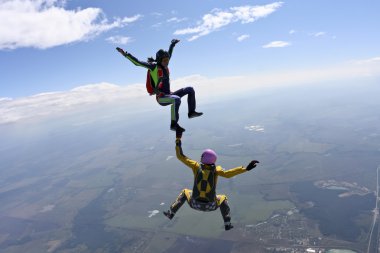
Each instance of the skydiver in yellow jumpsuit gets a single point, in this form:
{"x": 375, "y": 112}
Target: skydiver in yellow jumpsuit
{"x": 203, "y": 196}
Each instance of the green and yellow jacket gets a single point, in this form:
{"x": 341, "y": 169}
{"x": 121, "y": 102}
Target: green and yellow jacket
{"x": 158, "y": 73}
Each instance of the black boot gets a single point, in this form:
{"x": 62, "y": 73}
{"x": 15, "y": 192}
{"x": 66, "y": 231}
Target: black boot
{"x": 169, "y": 214}
{"x": 228, "y": 226}
{"x": 175, "y": 127}
{"x": 194, "y": 114}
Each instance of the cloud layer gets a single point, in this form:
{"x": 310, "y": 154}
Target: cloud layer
{"x": 44, "y": 104}
{"x": 219, "y": 18}
{"x": 46, "y": 23}
{"x": 208, "y": 90}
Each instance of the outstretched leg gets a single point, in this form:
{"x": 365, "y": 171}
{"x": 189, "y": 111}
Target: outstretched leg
{"x": 225, "y": 210}
{"x": 182, "y": 197}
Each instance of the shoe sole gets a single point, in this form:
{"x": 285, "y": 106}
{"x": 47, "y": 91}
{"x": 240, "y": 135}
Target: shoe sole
{"x": 175, "y": 130}
{"x": 168, "y": 216}
{"x": 190, "y": 117}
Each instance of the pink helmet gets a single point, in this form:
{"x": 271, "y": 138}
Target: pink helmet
{"x": 208, "y": 156}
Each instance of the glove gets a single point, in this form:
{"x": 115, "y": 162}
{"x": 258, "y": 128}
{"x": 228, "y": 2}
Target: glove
{"x": 178, "y": 142}
{"x": 121, "y": 51}
{"x": 175, "y": 41}
{"x": 252, "y": 165}
{"x": 178, "y": 134}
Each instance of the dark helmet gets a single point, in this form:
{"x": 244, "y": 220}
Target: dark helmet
{"x": 161, "y": 54}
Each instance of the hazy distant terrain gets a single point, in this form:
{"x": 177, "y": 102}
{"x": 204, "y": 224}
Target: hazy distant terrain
{"x": 98, "y": 179}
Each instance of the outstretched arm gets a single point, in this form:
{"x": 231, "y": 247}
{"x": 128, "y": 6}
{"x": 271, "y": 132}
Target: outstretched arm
{"x": 171, "y": 47}
{"x": 134, "y": 60}
{"x": 236, "y": 171}
{"x": 183, "y": 158}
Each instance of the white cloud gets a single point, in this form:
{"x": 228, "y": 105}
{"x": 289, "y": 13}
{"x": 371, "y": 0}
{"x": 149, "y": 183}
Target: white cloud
{"x": 243, "y": 37}
{"x": 255, "y": 128}
{"x": 119, "y": 40}
{"x": 219, "y": 18}
{"x": 157, "y": 25}
{"x": 369, "y": 66}
{"x": 277, "y": 43}
{"x": 156, "y": 14}
{"x": 47, "y": 208}
{"x": 235, "y": 145}
{"x": 44, "y": 104}
{"x": 215, "y": 88}
{"x": 292, "y": 31}
{"x": 367, "y": 61}
{"x": 132, "y": 19}
{"x": 318, "y": 34}
{"x": 208, "y": 90}
{"x": 169, "y": 157}
{"x": 153, "y": 213}
{"x": 46, "y": 23}
{"x": 176, "y": 20}
{"x": 5, "y": 99}
{"x": 168, "y": 21}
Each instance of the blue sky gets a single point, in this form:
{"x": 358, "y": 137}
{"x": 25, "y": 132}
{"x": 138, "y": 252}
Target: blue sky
{"x": 53, "y": 45}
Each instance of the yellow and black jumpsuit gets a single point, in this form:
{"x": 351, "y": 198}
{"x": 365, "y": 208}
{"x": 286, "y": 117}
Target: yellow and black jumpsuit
{"x": 203, "y": 196}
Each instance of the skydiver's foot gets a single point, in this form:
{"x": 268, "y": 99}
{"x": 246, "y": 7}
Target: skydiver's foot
{"x": 228, "y": 226}
{"x": 175, "y": 127}
{"x": 169, "y": 214}
{"x": 194, "y": 114}
{"x": 180, "y": 129}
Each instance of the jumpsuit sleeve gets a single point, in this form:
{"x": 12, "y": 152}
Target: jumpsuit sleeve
{"x": 171, "y": 47}
{"x": 231, "y": 172}
{"x": 194, "y": 165}
{"x": 139, "y": 63}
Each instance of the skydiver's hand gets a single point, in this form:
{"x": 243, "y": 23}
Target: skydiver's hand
{"x": 252, "y": 165}
{"x": 178, "y": 142}
{"x": 121, "y": 51}
{"x": 175, "y": 41}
